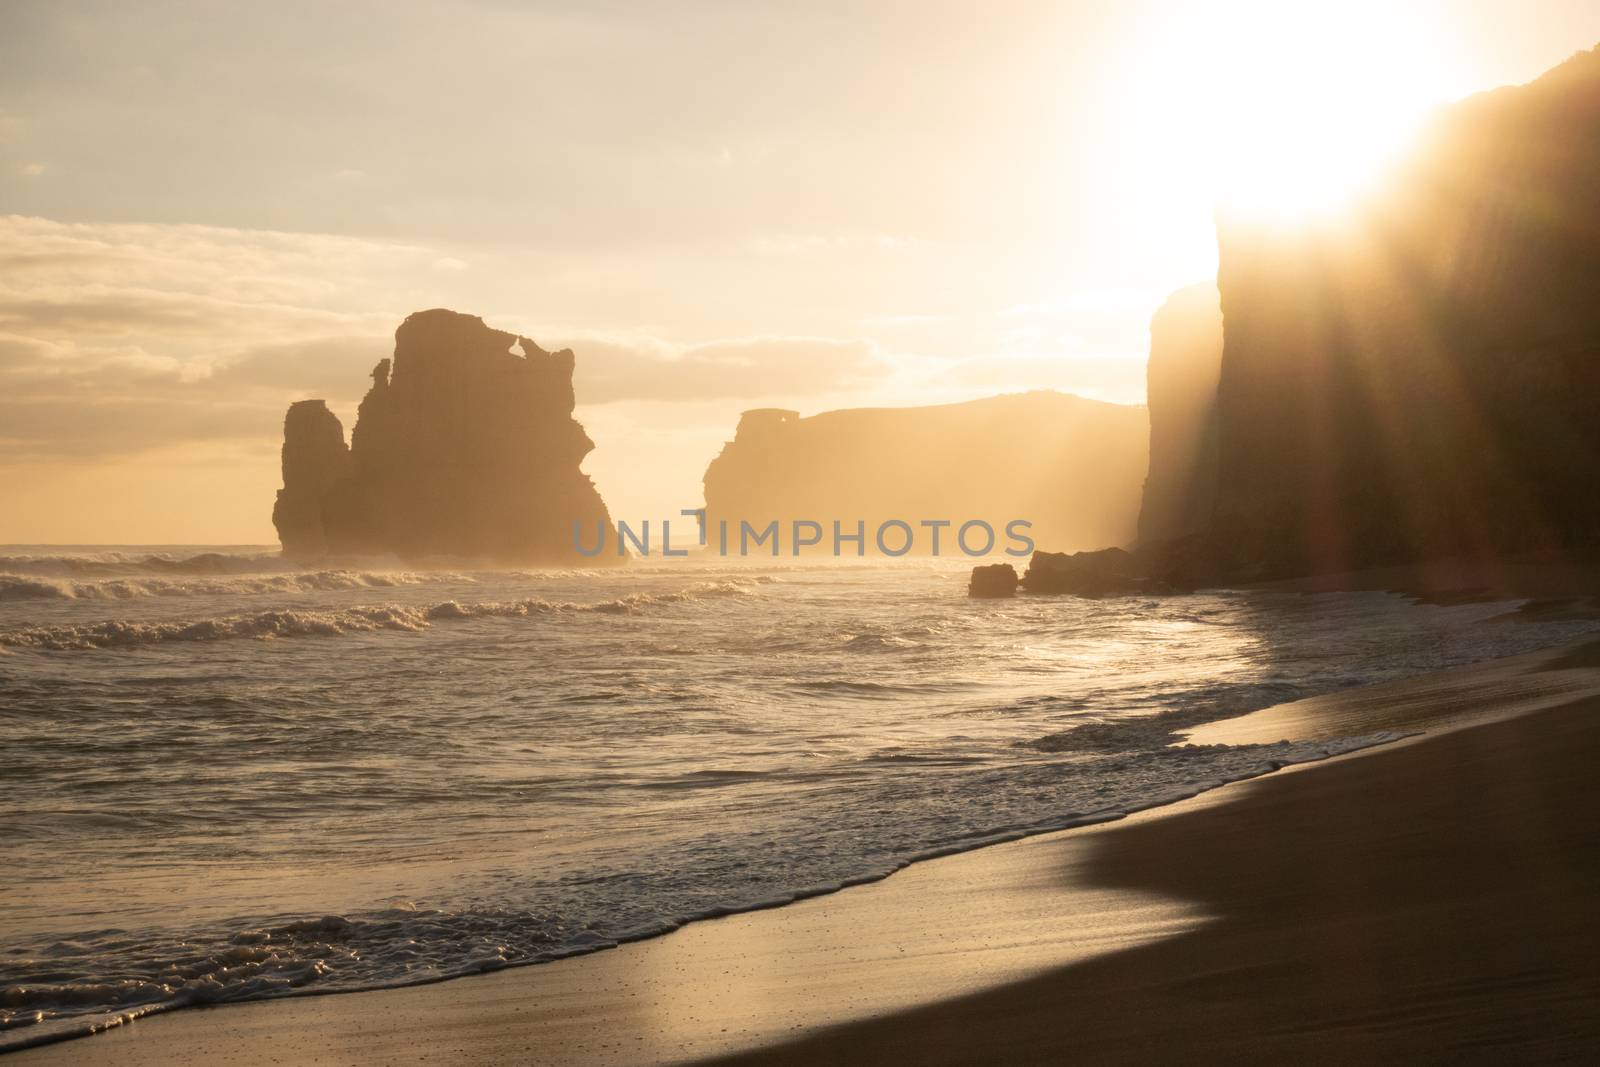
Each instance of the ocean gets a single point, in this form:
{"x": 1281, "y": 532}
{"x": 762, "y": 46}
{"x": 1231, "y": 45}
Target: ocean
{"x": 228, "y": 778}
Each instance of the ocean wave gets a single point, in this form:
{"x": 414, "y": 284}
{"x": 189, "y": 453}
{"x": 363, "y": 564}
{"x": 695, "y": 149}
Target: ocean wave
{"x": 1177, "y": 712}
{"x": 756, "y": 757}
{"x": 60, "y": 991}
{"x": 22, "y": 587}
{"x": 333, "y": 622}
{"x": 884, "y": 690}
{"x": 122, "y": 563}
{"x": 878, "y": 642}
{"x": 115, "y": 563}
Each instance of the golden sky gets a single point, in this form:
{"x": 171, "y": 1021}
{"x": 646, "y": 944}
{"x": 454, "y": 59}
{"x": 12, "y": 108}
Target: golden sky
{"x": 215, "y": 209}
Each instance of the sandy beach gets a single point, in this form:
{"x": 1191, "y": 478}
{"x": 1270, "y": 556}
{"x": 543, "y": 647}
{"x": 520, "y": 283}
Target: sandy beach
{"x": 1431, "y": 901}
{"x": 606, "y": 535}
{"x": 1430, "y": 898}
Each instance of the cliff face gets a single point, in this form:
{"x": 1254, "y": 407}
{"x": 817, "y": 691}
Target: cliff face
{"x": 1181, "y": 380}
{"x": 1070, "y": 466}
{"x": 1425, "y": 379}
{"x": 464, "y": 446}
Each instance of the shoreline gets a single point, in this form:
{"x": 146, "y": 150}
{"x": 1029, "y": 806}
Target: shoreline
{"x": 1345, "y": 746}
{"x": 1426, "y": 901}
{"x": 843, "y": 954}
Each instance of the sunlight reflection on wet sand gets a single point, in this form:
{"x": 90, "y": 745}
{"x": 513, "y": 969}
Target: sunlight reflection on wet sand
{"x": 938, "y": 930}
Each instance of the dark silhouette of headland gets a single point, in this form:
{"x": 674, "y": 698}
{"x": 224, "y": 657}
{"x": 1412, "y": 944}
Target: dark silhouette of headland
{"x": 1423, "y": 378}
{"x": 1415, "y": 381}
{"x": 1068, "y": 465}
{"x": 465, "y": 446}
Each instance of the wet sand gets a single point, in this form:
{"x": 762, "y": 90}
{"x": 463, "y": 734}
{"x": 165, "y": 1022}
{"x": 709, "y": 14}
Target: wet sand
{"x": 1431, "y": 899}
{"x": 1430, "y": 902}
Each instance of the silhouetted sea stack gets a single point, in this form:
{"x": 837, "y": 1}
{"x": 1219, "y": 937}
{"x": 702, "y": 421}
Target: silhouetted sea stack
{"x": 1069, "y": 466}
{"x": 315, "y": 459}
{"x": 465, "y": 446}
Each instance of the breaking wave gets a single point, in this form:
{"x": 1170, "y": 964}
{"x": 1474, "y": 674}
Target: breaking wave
{"x": 125, "y": 564}
{"x": 602, "y": 756}
{"x": 403, "y": 944}
{"x": 23, "y": 587}
{"x": 268, "y": 625}
{"x": 113, "y": 563}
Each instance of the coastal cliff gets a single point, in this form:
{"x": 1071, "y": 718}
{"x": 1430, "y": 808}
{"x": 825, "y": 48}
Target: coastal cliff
{"x": 465, "y": 446}
{"x": 1181, "y": 383}
{"x": 1422, "y": 378}
{"x": 1069, "y": 466}
{"x": 1414, "y": 380}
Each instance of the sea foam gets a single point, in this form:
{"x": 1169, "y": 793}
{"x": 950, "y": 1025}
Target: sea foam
{"x": 286, "y": 623}
{"x": 546, "y": 763}
{"x": 27, "y": 587}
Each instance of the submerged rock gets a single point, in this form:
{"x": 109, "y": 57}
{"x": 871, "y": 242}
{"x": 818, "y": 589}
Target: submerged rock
{"x": 465, "y": 446}
{"x": 993, "y": 582}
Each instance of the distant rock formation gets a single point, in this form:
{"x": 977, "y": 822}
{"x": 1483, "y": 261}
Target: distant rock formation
{"x": 1423, "y": 380}
{"x": 1069, "y": 466}
{"x": 1181, "y": 379}
{"x": 465, "y": 446}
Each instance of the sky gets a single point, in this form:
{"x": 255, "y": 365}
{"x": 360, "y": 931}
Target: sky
{"x": 209, "y": 210}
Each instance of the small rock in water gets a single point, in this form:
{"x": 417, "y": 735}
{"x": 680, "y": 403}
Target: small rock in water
{"x": 993, "y": 581}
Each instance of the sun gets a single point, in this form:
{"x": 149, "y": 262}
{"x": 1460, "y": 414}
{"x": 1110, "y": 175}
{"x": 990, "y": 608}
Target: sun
{"x": 1292, "y": 111}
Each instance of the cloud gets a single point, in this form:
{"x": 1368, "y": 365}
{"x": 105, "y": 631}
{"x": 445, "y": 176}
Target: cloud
{"x": 117, "y": 339}
{"x": 110, "y": 427}
{"x": 21, "y": 352}
{"x": 96, "y": 310}
{"x": 326, "y": 367}
{"x": 750, "y": 367}
{"x": 787, "y": 244}
{"x": 120, "y": 338}
{"x": 1102, "y": 377}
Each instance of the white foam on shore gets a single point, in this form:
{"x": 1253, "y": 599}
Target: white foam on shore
{"x": 285, "y": 960}
{"x": 603, "y": 758}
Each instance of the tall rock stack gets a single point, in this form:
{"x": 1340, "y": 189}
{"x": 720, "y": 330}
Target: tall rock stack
{"x": 315, "y": 459}
{"x": 465, "y": 446}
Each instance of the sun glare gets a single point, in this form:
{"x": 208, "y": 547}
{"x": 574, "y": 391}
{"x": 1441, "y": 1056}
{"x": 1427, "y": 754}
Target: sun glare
{"x": 1293, "y": 111}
